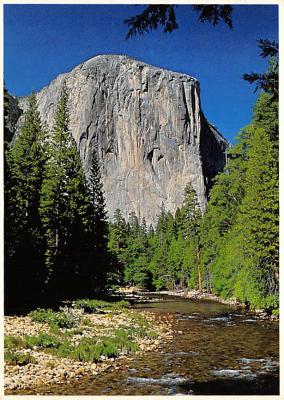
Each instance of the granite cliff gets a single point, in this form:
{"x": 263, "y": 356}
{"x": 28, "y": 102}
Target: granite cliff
{"x": 147, "y": 127}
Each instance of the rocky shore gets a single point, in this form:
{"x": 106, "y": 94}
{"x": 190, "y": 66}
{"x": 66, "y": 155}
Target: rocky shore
{"x": 47, "y": 368}
{"x": 197, "y": 295}
{"x": 192, "y": 294}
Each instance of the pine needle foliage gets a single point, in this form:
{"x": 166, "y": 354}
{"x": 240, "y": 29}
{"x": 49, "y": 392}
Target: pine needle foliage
{"x": 64, "y": 202}
{"x": 24, "y": 177}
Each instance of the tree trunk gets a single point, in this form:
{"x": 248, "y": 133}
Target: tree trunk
{"x": 182, "y": 281}
{"x": 198, "y": 268}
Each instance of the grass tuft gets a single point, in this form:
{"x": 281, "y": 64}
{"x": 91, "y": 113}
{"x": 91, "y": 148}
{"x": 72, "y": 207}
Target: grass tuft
{"x": 13, "y": 342}
{"x": 99, "y": 306}
{"x": 12, "y": 358}
{"x": 42, "y": 340}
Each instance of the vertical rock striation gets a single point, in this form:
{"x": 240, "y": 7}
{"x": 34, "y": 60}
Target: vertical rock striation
{"x": 147, "y": 127}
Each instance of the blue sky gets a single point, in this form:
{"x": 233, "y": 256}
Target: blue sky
{"x": 42, "y": 41}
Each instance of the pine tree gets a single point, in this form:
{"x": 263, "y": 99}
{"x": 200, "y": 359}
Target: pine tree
{"x": 258, "y": 223}
{"x": 64, "y": 204}
{"x": 266, "y": 117}
{"x": 158, "y": 265}
{"x": 191, "y": 230}
{"x": 117, "y": 233}
{"x": 221, "y": 212}
{"x": 117, "y": 244}
{"x": 161, "y": 266}
{"x": 133, "y": 225}
{"x": 162, "y": 222}
{"x": 136, "y": 254}
{"x": 101, "y": 262}
{"x": 240, "y": 227}
{"x": 11, "y": 213}
{"x": 25, "y": 163}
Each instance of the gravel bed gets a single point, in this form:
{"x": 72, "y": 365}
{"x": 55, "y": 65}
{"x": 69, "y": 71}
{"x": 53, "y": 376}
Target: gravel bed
{"x": 50, "y": 369}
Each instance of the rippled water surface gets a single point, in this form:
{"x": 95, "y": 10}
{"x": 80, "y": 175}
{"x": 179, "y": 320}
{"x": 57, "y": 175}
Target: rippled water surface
{"x": 221, "y": 351}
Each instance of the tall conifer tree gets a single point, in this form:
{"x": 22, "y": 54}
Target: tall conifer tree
{"x": 64, "y": 204}
{"x": 26, "y": 163}
{"x": 191, "y": 230}
{"x": 101, "y": 262}
{"x": 257, "y": 225}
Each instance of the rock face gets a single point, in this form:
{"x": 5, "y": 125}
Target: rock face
{"x": 13, "y": 115}
{"x": 147, "y": 127}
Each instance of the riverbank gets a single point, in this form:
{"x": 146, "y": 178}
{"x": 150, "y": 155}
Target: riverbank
{"x": 197, "y": 295}
{"x": 43, "y": 353}
{"x": 192, "y": 294}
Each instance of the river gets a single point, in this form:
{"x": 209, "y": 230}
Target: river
{"x": 221, "y": 350}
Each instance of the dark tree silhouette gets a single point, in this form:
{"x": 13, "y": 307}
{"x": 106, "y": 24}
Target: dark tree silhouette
{"x": 156, "y": 15}
{"x": 269, "y": 81}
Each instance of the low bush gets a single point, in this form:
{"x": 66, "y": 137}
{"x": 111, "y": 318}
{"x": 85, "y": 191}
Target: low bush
{"x": 18, "y": 359}
{"x": 13, "y": 342}
{"x": 65, "y": 318}
{"x": 55, "y": 330}
{"x": 97, "y": 306}
{"x": 64, "y": 350}
{"x": 72, "y": 315}
{"x": 42, "y": 340}
{"x": 43, "y": 315}
{"x": 124, "y": 342}
{"x": 87, "y": 322}
{"x": 142, "y": 332}
{"x": 91, "y": 349}
{"x": 121, "y": 304}
{"x": 110, "y": 349}
{"x": 152, "y": 334}
{"x": 87, "y": 350}
{"x": 139, "y": 320}
{"x": 90, "y": 306}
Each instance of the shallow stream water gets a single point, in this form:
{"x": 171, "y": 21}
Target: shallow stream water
{"x": 221, "y": 350}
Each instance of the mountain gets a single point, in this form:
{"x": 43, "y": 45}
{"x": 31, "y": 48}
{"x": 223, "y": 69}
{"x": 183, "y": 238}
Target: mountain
{"x": 147, "y": 127}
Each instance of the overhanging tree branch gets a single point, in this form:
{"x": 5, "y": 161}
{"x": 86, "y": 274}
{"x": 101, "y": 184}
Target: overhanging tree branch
{"x": 162, "y": 15}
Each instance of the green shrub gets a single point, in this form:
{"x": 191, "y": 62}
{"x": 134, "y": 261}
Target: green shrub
{"x": 13, "y": 342}
{"x": 87, "y": 351}
{"x": 72, "y": 315}
{"x": 152, "y": 334}
{"x": 110, "y": 349}
{"x": 87, "y": 322}
{"x": 90, "y": 306}
{"x": 97, "y": 306}
{"x": 121, "y": 304}
{"x": 43, "y": 340}
{"x": 64, "y": 350}
{"x": 139, "y": 320}
{"x": 18, "y": 359}
{"x": 123, "y": 340}
{"x": 65, "y": 318}
{"x": 137, "y": 332}
{"x": 55, "y": 330}
{"x": 42, "y": 315}
{"x": 91, "y": 349}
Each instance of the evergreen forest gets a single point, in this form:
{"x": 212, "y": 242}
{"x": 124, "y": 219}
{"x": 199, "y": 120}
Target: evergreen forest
{"x": 59, "y": 242}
